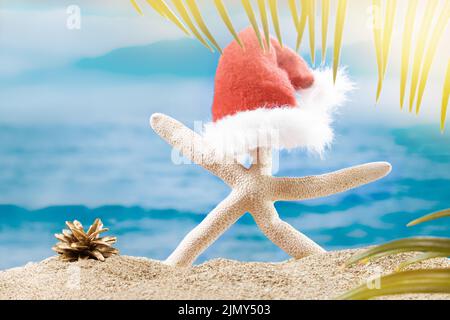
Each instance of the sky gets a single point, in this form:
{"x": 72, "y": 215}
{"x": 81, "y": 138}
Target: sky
{"x": 39, "y": 53}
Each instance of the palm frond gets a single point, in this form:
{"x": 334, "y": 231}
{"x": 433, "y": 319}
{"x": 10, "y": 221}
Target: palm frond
{"x": 445, "y": 97}
{"x": 302, "y": 23}
{"x": 136, "y": 7}
{"x": 227, "y": 20}
{"x": 339, "y": 30}
{"x": 164, "y": 10}
{"x": 406, "y": 49}
{"x": 383, "y": 37}
{"x": 252, "y": 18}
{"x": 420, "y": 49}
{"x": 295, "y": 17}
{"x": 416, "y": 281}
{"x": 195, "y": 11}
{"x": 312, "y": 29}
{"x": 430, "y": 217}
{"x": 391, "y": 10}
{"x": 419, "y": 244}
{"x": 325, "y": 20}
{"x": 377, "y": 35}
{"x": 182, "y": 11}
{"x": 431, "y": 52}
{"x": 276, "y": 23}
{"x": 420, "y": 258}
{"x": 265, "y": 21}
{"x": 294, "y": 14}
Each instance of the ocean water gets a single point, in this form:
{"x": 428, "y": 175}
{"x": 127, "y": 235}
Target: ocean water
{"x": 123, "y": 173}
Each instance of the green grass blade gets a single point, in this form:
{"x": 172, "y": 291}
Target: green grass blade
{"x": 419, "y": 244}
{"x": 430, "y": 217}
{"x": 419, "y": 258}
{"x": 416, "y": 281}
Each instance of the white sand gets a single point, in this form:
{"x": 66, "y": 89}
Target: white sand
{"x": 314, "y": 277}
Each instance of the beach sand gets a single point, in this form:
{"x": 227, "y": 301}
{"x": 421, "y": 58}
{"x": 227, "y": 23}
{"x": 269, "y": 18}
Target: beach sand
{"x": 123, "y": 277}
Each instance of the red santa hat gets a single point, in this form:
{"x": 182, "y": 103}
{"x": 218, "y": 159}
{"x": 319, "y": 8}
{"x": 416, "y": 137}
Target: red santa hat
{"x": 271, "y": 99}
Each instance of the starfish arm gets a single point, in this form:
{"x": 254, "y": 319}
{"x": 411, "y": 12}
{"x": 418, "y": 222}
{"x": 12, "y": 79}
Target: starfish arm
{"x": 203, "y": 235}
{"x": 193, "y": 147}
{"x": 281, "y": 233}
{"x": 327, "y": 184}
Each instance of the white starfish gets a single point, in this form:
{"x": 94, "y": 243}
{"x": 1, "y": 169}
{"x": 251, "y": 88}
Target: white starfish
{"x": 254, "y": 190}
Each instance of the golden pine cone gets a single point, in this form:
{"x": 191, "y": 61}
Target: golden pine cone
{"x": 76, "y": 244}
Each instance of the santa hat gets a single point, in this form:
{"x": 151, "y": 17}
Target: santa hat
{"x": 270, "y": 98}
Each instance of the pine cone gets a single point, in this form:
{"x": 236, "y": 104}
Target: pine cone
{"x": 76, "y": 244}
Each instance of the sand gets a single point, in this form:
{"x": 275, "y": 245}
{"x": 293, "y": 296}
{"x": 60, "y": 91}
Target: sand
{"x": 122, "y": 277}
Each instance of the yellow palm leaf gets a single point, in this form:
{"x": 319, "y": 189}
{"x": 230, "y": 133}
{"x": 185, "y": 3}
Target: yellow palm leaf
{"x": 430, "y": 217}
{"x": 418, "y": 244}
{"x": 387, "y": 32}
{"x": 420, "y": 48}
{"x": 136, "y": 7}
{"x": 312, "y": 29}
{"x": 431, "y": 52}
{"x": 264, "y": 21}
{"x": 419, "y": 258}
{"x": 406, "y": 50}
{"x": 157, "y": 7}
{"x": 340, "y": 21}
{"x": 414, "y": 281}
{"x": 294, "y": 14}
{"x": 226, "y": 19}
{"x": 182, "y": 11}
{"x": 192, "y": 5}
{"x": 387, "y": 35}
{"x": 377, "y": 35}
{"x": 445, "y": 97}
{"x": 275, "y": 20}
{"x": 325, "y": 19}
{"x": 302, "y": 24}
{"x": 164, "y": 10}
{"x": 251, "y": 17}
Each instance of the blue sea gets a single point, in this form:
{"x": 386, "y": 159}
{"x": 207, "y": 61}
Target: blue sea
{"x": 123, "y": 173}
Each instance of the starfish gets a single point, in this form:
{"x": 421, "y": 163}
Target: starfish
{"x": 254, "y": 190}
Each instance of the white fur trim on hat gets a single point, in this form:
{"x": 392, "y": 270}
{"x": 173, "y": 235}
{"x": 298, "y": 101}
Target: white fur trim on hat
{"x": 306, "y": 126}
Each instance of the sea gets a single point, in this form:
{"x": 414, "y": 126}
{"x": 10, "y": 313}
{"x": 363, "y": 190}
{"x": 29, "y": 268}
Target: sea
{"x": 124, "y": 174}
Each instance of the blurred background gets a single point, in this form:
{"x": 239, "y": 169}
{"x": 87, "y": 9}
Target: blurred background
{"x": 76, "y": 96}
